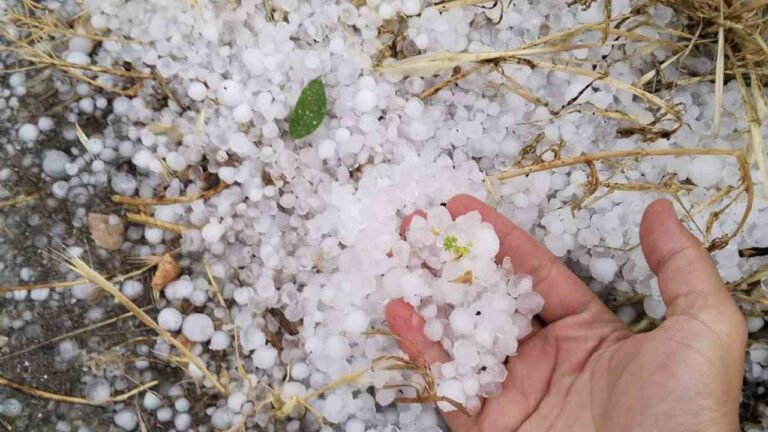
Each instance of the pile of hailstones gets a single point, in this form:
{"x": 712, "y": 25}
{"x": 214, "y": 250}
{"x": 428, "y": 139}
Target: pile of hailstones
{"x": 476, "y": 309}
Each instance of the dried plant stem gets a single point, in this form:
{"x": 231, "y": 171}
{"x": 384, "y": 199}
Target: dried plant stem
{"x": 141, "y": 219}
{"x": 73, "y": 333}
{"x": 79, "y": 266}
{"x": 746, "y": 179}
{"x": 599, "y": 156}
{"x": 447, "y": 5}
{"x": 72, "y": 399}
{"x": 428, "y": 93}
{"x": 142, "y": 202}
{"x": 23, "y": 199}
{"x": 67, "y": 284}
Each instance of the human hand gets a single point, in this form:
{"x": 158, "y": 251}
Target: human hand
{"x": 584, "y": 370}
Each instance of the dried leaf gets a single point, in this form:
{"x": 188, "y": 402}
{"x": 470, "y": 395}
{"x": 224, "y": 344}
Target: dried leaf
{"x": 106, "y": 230}
{"x": 168, "y": 270}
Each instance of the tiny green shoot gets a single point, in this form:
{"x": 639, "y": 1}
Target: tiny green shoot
{"x": 451, "y": 244}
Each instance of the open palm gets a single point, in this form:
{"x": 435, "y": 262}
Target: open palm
{"x": 583, "y": 370}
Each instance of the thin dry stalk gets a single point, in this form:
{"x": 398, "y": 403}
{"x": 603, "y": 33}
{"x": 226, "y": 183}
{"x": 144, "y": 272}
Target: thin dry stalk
{"x": 79, "y": 266}
{"x": 32, "y": 391}
{"x": 144, "y": 202}
{"x": 142, "y": 219}
{"x": 746, "y": 185}
{"x": 72, "y": 334}
{"x": 68, "y": 284}
{"x": 19, "y": 200}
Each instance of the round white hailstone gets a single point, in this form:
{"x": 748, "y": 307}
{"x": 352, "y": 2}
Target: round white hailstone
{"x": 235, "y": 401}
{"x": 197, "y": 91}
{"x": 265, "y": 287}
{"x": 181, "y": 404}
{"x": 132, "y": 289}
{"x": 230, "y": 93}
{"x": 706, "y": 171}
{"x": 179, "y": 289}
{"x": 300, "y": 371}
{"x": 197, "y": 327}
{"x": 68, "y": 350}
{"x": 212, "y": 232}
{"x": 39, "y": 294}
{"x": 462, "y": 321}
{"x": 264, "y": 357}
{"x": 326, "y": 149}
{"x": 240, "y": 144}
{"x": 603, "y": 269}
{"x": 414, "y": 107}
{"x": 170, "y": 319}
{"x": 219, "y": 341}
{"x": 755, "y": 323}
{"x": 385, "y": 396}
{"x": 83, "y": 292}
{"x": 182, "y": 421}
{"x": 471, "y": 385}
{"x": 54, "y": 163}
{"x": 356, "y": 321}
{"x": 655, "y": 309}
{"x": 28, "y": 132}
{"x": 98, "y": 391}
{"x": 11, "y": 408}
{"x": 433, "y": 330}
{"x": 627, "y": 314}
{"x": 337, "y": 347}
{"x": 242, "y": 113}
{"x": 126, "y": 420}
{"x": 45, "y": 124}
{"x": 164, "y": 414}
{"x": 465, "y": 353}
{"x": 175, "y": 161}
{"x": 366, "y": 100}
{"x": 452, "y": 389}
{"x": 485, "y": 242}
{"x": 254, "y": 60}
{"x": 78, "y": 58}
{"x": 221, "y": 419}
{"x": 151, "y": 401}
{"x": 354, "y": 425}
{"x": 411, "y": 7}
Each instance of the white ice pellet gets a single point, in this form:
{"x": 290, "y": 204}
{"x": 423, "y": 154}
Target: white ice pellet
{"x": 197, "y": 91}
{"x": 235, "y": 401}
{"x": 462, "y": 321}
{"x": 98, "y": 390}
{"x": 264, "y": 357}
{"x": 212, "y": 232}
{"x": 706, "y": 171}
{"x": 151, "y": 402}
{"x": 219, "y": 341}
{"x": 28, "y": 132}
{"x": 366, "y": 100}
{"x": 170, "y": 319}
{"x": 603, "y": 269}
{"x": 356, "y": 321}
{"x": 755, "y": 323}
{"x": 197, "y": 327}
{"x": 11, "y": 407}
{"x": 54, "y": 163}
{"x": 230, "y": 93}
{"x": 182, "y": 421}
{"x": 132, "y": 289}
{"x": 126, "y": 420}
{"x": 452, "y": 389}
{"x": 655, "y": 308}
{"x": 326, "y": 149}
{"x": 242, "y": 113}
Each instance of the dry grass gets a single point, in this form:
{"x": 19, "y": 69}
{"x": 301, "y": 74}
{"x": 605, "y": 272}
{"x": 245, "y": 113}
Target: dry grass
{"x": 35, "y": 392}
{"x": 36, "y": 35}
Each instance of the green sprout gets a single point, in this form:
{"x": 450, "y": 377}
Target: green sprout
{"x": 451, "y": 244}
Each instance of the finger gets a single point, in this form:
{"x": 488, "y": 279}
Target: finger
{"x": 688, "y": 279}
{"x": 564, "y": 293}
{"x": 408, "y": 326}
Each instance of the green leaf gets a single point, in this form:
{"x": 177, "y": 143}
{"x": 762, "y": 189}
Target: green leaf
{"x": 309, "y": 111}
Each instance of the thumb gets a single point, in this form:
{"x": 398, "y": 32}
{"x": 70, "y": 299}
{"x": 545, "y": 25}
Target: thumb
{"x": 688, "y": 279}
